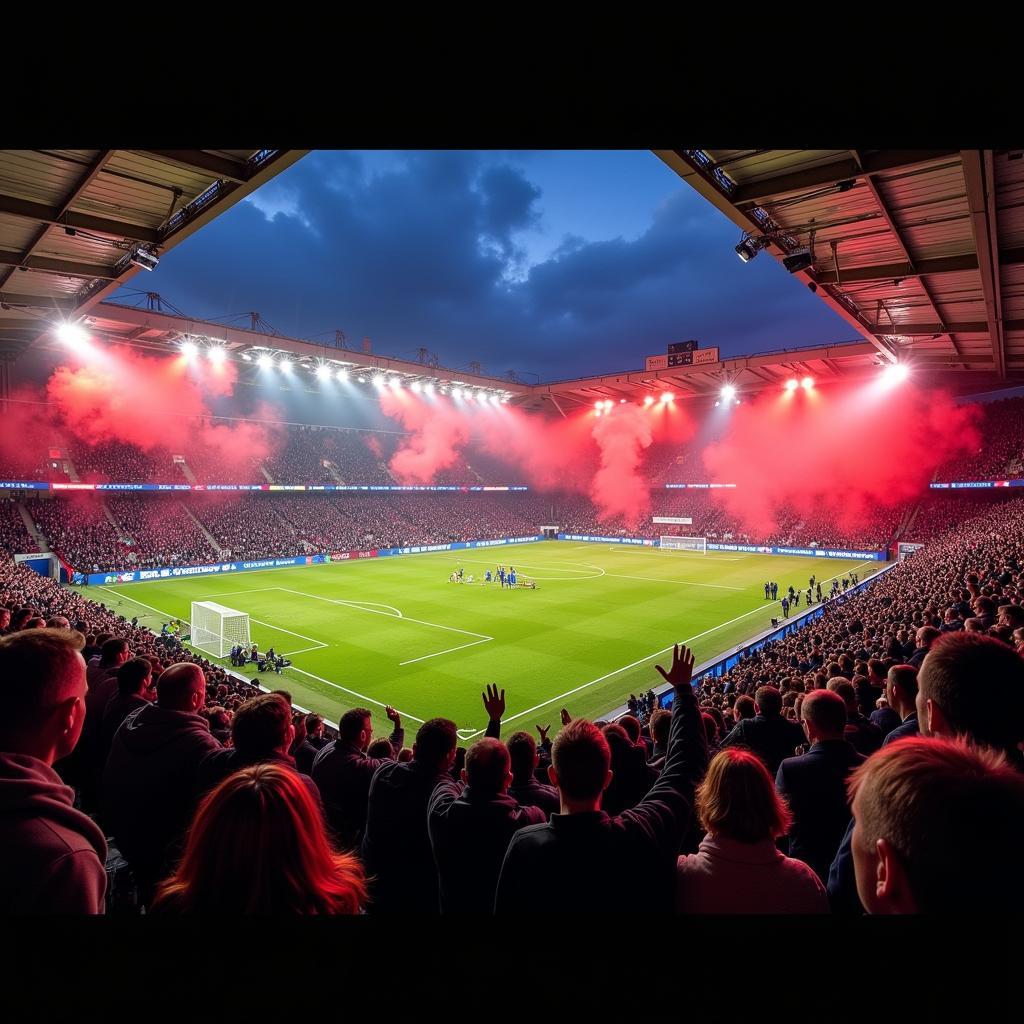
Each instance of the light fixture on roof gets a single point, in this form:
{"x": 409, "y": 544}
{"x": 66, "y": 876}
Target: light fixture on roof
{"x": 395, "y": 382}
{"x": 649, "y": 400}
{"x": 807, "y": 383}
{"x": 416, "y": 387}
{"x": 143, "y": 257}
{"x": 362, "y": 380}
{"x": 286, "y": 365}
{"x": 323, "y": 371}
{"x": 792, "y": 384}
{"x": 265, "y": 361}
{"x": 456, "y": 392}
{"x": 188, "y": 349}
{"x": 216, "y": 355}
{"x": 247, "y": 357}
{"x": 429, "y": 387}
{"x": 728, "y": 393}
{"x": 797, "y": 261}
{"x": 666, "y": 397}
{"x": 895, "y": 373}
{"x": 378, "y": 380}
{"x": 342, "y": 374}
{"x": 750, "y": 246}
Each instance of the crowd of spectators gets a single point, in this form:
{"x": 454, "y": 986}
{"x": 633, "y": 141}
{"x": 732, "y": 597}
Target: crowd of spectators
{"x": 159, "y": 531}
{"x": 14, "y": 537}
{"x": 869, "y": 761}
{"x": 1000, "y": 452}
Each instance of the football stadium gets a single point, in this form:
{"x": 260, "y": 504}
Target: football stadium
{"x": 358, "y": 621}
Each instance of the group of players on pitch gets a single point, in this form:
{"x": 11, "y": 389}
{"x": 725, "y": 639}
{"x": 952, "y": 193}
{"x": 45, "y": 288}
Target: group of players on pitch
{"x": 771, "y": 591}
{"x": 501, "y": 575}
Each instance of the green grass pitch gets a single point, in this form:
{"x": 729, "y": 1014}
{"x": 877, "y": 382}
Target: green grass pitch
{"x": 396, "y": 631}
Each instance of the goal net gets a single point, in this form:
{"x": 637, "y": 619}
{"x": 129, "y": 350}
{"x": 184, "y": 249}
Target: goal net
{"x": 699, "y": 544}
{"x": 216, "y": 629}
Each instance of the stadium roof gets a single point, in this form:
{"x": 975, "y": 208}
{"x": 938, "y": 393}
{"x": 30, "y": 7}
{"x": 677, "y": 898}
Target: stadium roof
{"x": 75, "y": 224}
{"x": 921, "y": 251}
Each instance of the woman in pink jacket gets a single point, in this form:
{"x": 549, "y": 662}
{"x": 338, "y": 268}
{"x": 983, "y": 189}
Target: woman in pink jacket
{"x": 738, "y": 869}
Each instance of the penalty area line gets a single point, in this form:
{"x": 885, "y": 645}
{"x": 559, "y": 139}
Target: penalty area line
{"x": 438, "y": 654}
{"x": 354, "y": 693}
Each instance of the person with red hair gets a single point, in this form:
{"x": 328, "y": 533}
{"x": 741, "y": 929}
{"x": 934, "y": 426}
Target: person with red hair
{"x": 258, "y": 846}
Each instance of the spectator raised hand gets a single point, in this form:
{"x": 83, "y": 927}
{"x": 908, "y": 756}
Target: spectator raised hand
{"x": 681, "y": 672}
{"x": 494, "y": 702}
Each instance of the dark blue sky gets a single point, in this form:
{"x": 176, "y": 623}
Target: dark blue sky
{"x": 561, "y": 264}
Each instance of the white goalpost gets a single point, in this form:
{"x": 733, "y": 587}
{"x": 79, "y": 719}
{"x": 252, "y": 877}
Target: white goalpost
{"x": 216, "y": 628}
{"x": 695, "y": 544}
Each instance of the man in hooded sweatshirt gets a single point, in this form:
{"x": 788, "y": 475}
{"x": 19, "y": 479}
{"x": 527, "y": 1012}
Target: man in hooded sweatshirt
{"x": 151, "y": 783}
{"x": 51, "y": 856}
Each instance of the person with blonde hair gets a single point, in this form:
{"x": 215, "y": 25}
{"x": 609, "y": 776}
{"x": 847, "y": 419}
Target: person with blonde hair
{"x": 739, "y": 869}
{"x": 258, "y": 845}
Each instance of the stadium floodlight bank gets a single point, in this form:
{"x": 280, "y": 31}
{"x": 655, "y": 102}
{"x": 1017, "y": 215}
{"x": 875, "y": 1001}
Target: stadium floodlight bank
{"x": 698, "y": 544}
{"x": 216, "y": 629}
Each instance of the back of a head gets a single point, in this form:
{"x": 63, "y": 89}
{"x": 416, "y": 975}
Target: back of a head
{"x": 352, "y": 723}
{"x": 826, "y": 711}
{"x": 905, "y": 677}
{"x": 177, "y": 684}
{"x": 522, "y": 753}
{"x": 581, "y": 760}
{"x": 380, "y": 749}
{"x": 258, "y": 846}
{"x": 133, "y": 674}
{"x": 38, "y": 669}
{"x": 487, "y": 766}
{"x": 314, "y": 723}
{"x": 978, "y": 683}
{"x": 737, "y": 799}
{"x": 261, "y": 726}
{"x": 846, "y": 690}
{"x": 435, "y": 742}
{"x": 768, "y": 700}
{"x": 632, "y": 727}
{"x": 926, "y": 636}
{"x": 954, "y": 815}
{"x": 112, "y": 651}
{"x": 745, "y": 707}
{"x": 660, "y": 724}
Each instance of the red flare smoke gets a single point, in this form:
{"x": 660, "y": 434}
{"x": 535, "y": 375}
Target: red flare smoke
{"x": 439, "y": 433}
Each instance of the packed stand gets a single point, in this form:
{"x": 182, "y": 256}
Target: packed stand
{"x": 78, "y": 529}
{"x": 838, "y": 769}
{"x": 1000, "y": 454}
{"x": 14, "y": 537}
{"x": 158, "y": 530}
{"x": 118, "y": 462}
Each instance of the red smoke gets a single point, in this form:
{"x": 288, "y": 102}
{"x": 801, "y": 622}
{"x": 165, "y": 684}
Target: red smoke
{"x": 837, "y": 451}
{"x": 600, "y": 456}
{"x": 439, "y": 433}
{"x": 618, "y": 489}
{"x": 374, "y": 445}
{"x": 151, "y": 403}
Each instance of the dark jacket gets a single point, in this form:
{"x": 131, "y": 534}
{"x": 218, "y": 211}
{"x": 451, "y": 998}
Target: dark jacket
{"x": 151, "y": 786}
{"x": 909, "y": 727}
{"x": 574, "y": 859}
{"x": 814, "y": 786}
{"x": 51, "y": 856}
{"x": 343, "y": 773}
{"x": 118, "y": 708}
{"x": 865, "y": 736}
{"x": 305, "y": 754}
{"x": 535, "y": 794}
{"x": 219, "y": 764}
{"x": 842, "y": 881}
{"x": 886, "y": 719}
{"x": 396, "y": 846}
{"x": 632, "y": 777}
{"x": 469, "y": 835}
{"x": 771, "y": 737}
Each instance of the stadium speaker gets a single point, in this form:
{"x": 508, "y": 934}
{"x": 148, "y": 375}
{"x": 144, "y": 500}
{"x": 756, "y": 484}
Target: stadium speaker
{"x": 799, "y": 260}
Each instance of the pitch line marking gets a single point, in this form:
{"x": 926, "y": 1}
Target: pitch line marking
{"x": 361, "y": 696}
{"x": 688, "y": 583}
{"x": 405, "y": 618}
{"x": 461, "y": 647}
{"x": 303, "y": 650}
{"x": 656, "y": 654}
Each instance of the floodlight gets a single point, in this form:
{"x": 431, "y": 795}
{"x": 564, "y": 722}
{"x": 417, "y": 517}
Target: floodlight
{"x": 792, "y": 384}
{"x": 188, "y": 349}
{"x": 728, "y": 393}
{"x": 807, "y": 383}
{"x": 72, "y": 334}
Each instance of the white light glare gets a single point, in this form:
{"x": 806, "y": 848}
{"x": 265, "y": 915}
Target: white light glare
{"x": 217, "y": 355}
{"x": 416, "y": 387}
{"x": 265, "y": 362}
{"x": 728, "y": 393}
{"x": 378, "y": 380}
{"x": 897, "y": 373}
{"x": 286, "y": 365}
{"x": 342, "y": 374}
{"x": 456, "y": 392}
{"x": 792, "y": 384}
{"x": 429, "y": 387}
{"x": 72, "y": 334}
{"x": 323, "y": 371}
{"x": 807, "y": 383}
{"x": 649, "y": 400}
{"x": 667, "y": 396}
{"x": 188, "y": 349}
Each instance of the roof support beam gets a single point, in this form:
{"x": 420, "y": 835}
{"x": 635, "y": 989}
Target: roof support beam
{"x": 981, "y": 201}
{"x": 62, "y": 217}
{"x": 758, "y": 192}
{"x": 939, "y": 265}
{"x": 64, "y": 268}
{"x": 208, "y": 163}
{"x": 698, "y": 179}
{"x": 85, "y": 180}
